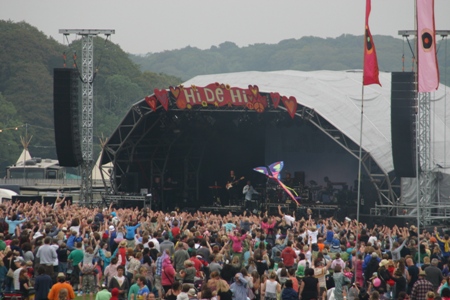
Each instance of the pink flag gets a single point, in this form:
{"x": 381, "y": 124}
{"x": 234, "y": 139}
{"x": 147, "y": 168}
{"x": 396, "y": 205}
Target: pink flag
{"x": 371, "y": 72}
{"x": 427, "y": 66}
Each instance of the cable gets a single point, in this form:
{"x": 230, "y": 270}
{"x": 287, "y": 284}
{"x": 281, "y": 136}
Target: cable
{"x": 101, "y": 56}
{"x": 24, "y": 125}
{"x": 403, "y": 55}
{"x": 74, "y": 57}
{"x": 445, "y": 105}
{"x": 413, "y": 55}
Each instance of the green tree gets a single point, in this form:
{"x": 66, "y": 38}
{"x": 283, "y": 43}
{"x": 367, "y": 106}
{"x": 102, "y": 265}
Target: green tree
{"x": 9, "y": 136}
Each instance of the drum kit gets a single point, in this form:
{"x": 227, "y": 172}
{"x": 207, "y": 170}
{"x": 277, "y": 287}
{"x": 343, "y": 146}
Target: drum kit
{"x": 215, "y": 194}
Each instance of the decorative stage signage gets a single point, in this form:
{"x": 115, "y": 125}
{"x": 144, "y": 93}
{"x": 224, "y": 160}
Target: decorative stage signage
{"x": 219, "y": 95}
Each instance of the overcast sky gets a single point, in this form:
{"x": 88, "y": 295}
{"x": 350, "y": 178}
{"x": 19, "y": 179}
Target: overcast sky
{"x": 144, "y": 26}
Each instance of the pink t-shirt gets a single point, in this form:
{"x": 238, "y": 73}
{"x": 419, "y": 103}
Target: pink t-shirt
{"x": 237, "y": 243}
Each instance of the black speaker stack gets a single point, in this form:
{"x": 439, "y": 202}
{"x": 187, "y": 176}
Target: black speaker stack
{"x": 403, "y": 123}
{"x": 65, "y": 107}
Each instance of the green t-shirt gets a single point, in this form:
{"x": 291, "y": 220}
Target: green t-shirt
{"x": 134, "y": 289}
{"x": 2, "y": 245}
{"x": 103, "y": 295}
{"x": 76, "y": 256}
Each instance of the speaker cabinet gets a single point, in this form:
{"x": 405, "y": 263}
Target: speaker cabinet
{"x": 403, "y": 123}
{"x": 65, "y": 107}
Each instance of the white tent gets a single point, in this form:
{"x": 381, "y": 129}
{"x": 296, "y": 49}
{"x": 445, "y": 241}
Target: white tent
{"x": 96, "y": 171}
{"x": 336, "y": 96}
{"x": 24, "y": 156}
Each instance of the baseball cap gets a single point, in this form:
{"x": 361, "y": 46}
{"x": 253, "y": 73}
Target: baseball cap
{"x": 19, "y": 259}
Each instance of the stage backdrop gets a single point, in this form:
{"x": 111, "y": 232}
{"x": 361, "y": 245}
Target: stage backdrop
{"x": 305, "y": 148}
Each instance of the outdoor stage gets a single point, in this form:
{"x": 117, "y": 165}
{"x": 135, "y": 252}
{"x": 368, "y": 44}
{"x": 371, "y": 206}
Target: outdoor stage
{"x": 179, "y": 142}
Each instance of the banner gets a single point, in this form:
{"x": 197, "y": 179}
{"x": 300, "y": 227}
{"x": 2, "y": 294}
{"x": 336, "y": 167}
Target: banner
{"x": 219, "y": 95}
{"x": 371, "y": 71}
{"x": 427, "y": 64}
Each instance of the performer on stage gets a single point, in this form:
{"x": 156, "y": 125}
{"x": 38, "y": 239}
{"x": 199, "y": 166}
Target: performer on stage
{"x": 170, "y": 200}
{"x": 288, "y": 180}
{"x": 156, "y": 193}
{"x": 249, "y": 191}
{"x": 232, "y": 189}
{"x": 232, "y": 193}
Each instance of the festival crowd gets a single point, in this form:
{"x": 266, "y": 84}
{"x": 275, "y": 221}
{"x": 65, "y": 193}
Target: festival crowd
{"x": 65, "y": 250}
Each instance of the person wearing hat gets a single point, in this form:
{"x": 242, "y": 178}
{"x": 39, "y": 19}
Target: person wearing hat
{"x": 421, "y": 287}
{"x": 384, "y": 275}
{"x": 192, "y": 294}
{"x": 122, "y": 252}
{"x": 112, "y": 234}
{"x": 61, "y": 283}
{"x": 20, "y": 264}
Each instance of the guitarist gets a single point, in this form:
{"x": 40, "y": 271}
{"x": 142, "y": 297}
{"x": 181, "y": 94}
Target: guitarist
{"x": 232, "y": 189}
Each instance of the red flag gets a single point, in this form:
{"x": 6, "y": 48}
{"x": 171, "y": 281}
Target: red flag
{"x": 371, "y": 71}
{"x": 427, "y": 65}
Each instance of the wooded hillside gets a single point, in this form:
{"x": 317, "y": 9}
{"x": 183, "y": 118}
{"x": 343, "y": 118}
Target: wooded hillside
{"x": 305, "y": 54}
{"x": 27, "y": 60}
{"x": 28, "y": 57}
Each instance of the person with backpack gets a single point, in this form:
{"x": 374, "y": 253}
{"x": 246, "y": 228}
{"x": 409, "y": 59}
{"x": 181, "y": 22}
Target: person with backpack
{"x": 302, "y": 265}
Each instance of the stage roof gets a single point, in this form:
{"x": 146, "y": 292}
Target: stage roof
{"x": 336, "y": 96}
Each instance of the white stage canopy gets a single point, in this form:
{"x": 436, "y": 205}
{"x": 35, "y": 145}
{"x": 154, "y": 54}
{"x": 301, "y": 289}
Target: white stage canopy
{"x": 336, "y": 96}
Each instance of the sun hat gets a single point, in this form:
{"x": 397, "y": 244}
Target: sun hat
{"x": 37, "y": 235}
{"x": 19, "y": 259}
{"x": 191, "y": 292}
{"x": 383, "y": 262}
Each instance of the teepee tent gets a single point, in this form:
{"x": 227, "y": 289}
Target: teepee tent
{"x": 98, "y": 168}
{"x": 25, "y": 153}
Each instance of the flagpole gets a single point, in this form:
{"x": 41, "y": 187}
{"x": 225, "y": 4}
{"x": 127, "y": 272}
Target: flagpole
{"x": 358, "y": 197}
{"x": 417, "y": 134}
{"x": 360, "y": 157}
{"x": 370, "y": 76}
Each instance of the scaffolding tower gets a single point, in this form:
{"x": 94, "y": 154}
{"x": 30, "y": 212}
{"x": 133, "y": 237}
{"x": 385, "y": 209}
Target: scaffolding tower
{"x": 427, "y": 207}
{"x": 87, "y": 106}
